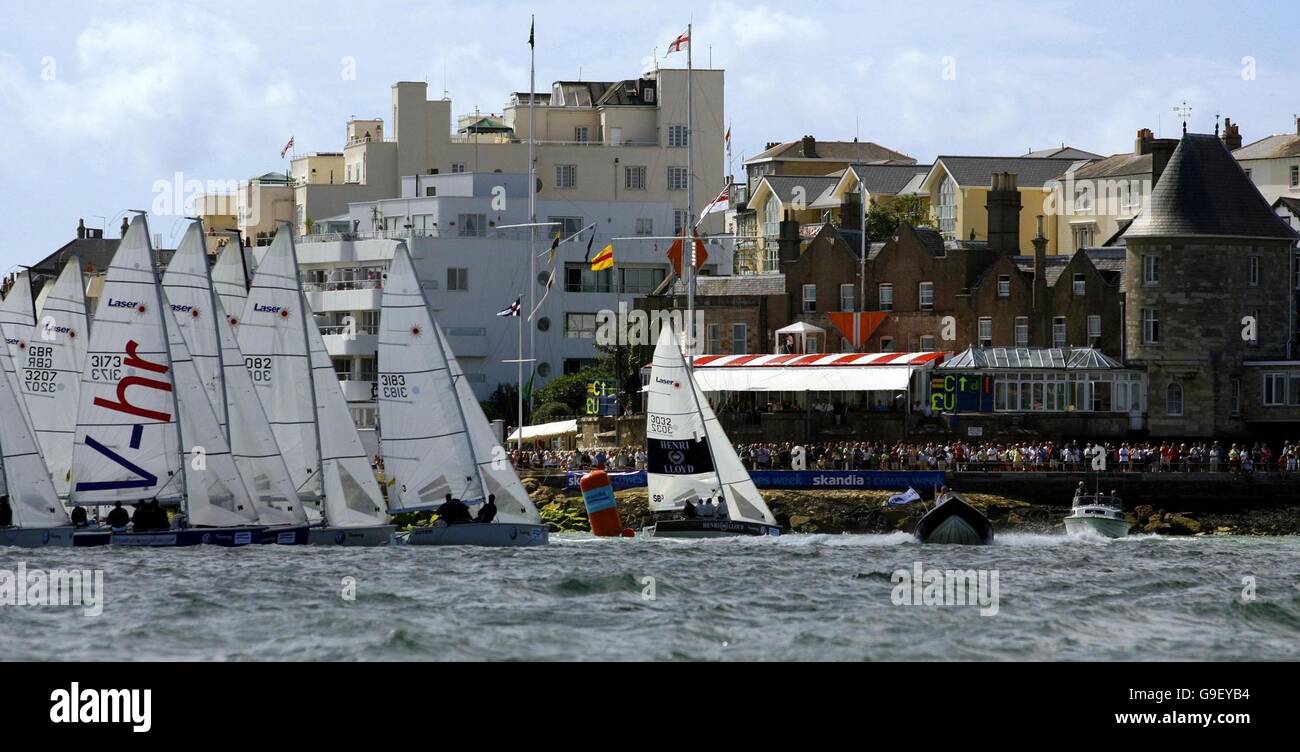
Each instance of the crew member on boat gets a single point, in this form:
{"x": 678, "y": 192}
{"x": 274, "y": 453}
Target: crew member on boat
{"x": 454, "y": 512}
{"x": 118, "y": 518}
{"x": 688, "y": 511}
{"x": 1079, "y": 490}
{"x": 488, "y": 511}
{"x": 79, "y": 517}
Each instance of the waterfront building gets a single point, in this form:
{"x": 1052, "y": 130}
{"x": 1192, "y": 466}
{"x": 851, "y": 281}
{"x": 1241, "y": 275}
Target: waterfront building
{"x": 1271, "y": 163}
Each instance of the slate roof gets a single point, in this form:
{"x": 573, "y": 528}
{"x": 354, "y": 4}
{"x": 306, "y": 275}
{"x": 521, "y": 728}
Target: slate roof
{"x": 1029, "y": 171}
{"x": 1273, "y": 147}
{"x": 1062, "y": 152}
{"x": 1204, "y": 192}
{"x": 1291, "y": 203}
{"x": 743, "y": 284}
{"x": 1116, "y": 165}
{"x": 859, "y": 152}
{"x": 1108, "y": 261}
{"x": 814, "y": 187}
{"x": 887, "y": 179}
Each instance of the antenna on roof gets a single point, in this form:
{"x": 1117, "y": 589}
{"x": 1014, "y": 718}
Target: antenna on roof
{"x": 1184, "y": 111}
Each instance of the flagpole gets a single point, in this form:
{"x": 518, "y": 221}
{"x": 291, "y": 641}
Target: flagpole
{"x": 532, "y": 198}
{"x": 690, "y": 199}
{"x": 519, "y": 392}
{"x": 862, "y": 267}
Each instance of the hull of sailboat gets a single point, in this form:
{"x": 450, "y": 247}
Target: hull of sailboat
{"x": 711, "y": 529}
{"x": 284, "y": 535}
{"x": 955, "y": 522}
{"x": 374, "y": 535}
{"x": 228, "y": 537}
{"x": 493, "y": 534}
{"x": 36, "y": 537}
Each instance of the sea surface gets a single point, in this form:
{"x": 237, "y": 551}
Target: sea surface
{"x": 800, "y": 597}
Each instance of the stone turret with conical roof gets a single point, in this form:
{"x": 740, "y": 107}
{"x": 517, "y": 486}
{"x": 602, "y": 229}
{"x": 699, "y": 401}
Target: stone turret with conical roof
{"x": 1206, "y": 252}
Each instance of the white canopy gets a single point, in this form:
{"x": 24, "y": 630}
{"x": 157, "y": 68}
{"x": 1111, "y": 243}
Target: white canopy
{"x": 546, "y": 430}
{"x": 848, "y": 372}
{"x": 801, "y": 327}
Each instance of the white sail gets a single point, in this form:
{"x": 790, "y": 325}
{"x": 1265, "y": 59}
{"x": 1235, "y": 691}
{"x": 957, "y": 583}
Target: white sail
{"x": 186, "y": 285}
{"x": 350, "y": 493}
{"x": 50, "y": 368}
{"x": 126, "y": 446}
{"x": 31, "y": 493}
{"x": 216, "y": 495}
{"x": 436, "y": 439}
{"x": 689, "y": 455}
{"x": 273, "y": 339}
{"x": 251, "y": 439}
{"x": 17, "y": 317}
{"x": 229, "y": 280}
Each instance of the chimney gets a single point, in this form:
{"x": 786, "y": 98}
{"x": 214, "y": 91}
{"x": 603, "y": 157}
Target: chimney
{"x": 1161, "y": 149}
{"x": 1297, "y": 125}
{"x": 1042, "y": 312}
{"x": 809, "y": 147}
{"x": 1231, "y": 134}
{"x": 1143, "y": 143}
{"x": 770, "y": 144}
{"x": 788, "y": 240}
{"x": 81, "y": 229}
{"x": 851, "y": 210}
{"x": 1004, "y": 214}
{"x": 125, "y": 226}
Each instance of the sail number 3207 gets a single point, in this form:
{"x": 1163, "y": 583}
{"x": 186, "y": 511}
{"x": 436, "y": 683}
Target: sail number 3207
{"x": 392, "y": 385}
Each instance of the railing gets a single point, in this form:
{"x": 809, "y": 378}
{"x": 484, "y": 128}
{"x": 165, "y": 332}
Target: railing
{"x": 347, "y": 284}
{"x": 372, "y": 139}
{"x": 344, "y": 329}
{"x": 334, "y": 237}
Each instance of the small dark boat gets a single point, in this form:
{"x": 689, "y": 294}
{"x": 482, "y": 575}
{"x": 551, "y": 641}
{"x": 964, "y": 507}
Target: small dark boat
{"x": 954, "y": 521}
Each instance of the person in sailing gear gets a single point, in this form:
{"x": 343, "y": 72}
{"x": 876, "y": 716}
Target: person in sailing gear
{"x": 118, "y": 518}
{"x": 706, "y": 509}
{"x": 722, "y": 508}
{"x": 145, "y": 518}
{"x": 79, "y": 516}
{"x": 454, "y": 512}
{"x": 488, "y": 511}
{"x": 688, "y": 511}
{"x": 1079, "y": 490}
{"x": 6, "y": 512}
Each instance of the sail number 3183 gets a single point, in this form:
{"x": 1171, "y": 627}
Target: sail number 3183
{"x": 392, "y": 385}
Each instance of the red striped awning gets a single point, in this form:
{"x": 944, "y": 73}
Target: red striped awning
{"x": 820, "y": 360}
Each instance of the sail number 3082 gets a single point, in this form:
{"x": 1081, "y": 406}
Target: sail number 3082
{"x": 392, "y": 385}
{"x": 259, "y": 369}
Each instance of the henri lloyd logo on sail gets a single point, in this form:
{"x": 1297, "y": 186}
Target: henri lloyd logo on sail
{"x": 679, "y": 457}
{"x": 123, "y": 404}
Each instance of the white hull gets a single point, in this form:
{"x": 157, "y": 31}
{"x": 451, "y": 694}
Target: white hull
{"x": 36, "y": 537}
{"x": 376, "y": 535}
{"x": 494, "y": 534}
{"x": 1102, "y": 526}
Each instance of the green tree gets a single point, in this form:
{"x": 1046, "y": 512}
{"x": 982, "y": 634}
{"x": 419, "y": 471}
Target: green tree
{"x": 570, "y": 391}
{"x": 883, "y": 219}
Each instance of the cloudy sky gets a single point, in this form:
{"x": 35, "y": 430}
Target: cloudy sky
{"x": 100, "y": 101}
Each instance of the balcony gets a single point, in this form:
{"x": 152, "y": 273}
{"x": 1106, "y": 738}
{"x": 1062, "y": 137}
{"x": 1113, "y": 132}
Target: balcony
{"x": 342, "y": 340}
{"x": 357, "y": 391}
{"x": 347, "y": 295}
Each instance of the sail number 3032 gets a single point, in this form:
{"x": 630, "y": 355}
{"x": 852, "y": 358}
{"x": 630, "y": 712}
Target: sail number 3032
{"x": 392, "y": 385}
{"x": 661, "y": 424}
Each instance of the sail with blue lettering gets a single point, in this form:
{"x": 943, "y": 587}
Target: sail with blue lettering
{"x": 31, "y": 493}
{"x": 17, "y": 317}
{"x": 50, "y": 368}
{"x": 689, "y": 456}
{"x": 127, "y": 446}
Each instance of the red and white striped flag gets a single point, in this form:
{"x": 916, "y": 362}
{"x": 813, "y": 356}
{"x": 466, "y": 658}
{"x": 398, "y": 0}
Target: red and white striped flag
{"x": 682, "y": 41}
{"x": 286, "y": 148}
{"x": 721, "y": 203}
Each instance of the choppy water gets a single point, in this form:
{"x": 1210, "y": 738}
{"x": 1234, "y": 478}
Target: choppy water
{"x": 811, "y": 597}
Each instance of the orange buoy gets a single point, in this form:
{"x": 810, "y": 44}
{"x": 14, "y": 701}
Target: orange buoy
{"x": 598, "y": 497}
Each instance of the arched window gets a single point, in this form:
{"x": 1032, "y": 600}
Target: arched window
{"x": 1174, "y": 400}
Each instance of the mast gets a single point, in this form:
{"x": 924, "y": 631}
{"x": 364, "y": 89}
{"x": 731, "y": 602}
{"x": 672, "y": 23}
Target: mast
{"x": 532, "y": 201}
{"x": 164, "y": 311}
{"x": 216, "y": 329}
{"x": 688, "y": 228}
{"x": 311, "y": 375}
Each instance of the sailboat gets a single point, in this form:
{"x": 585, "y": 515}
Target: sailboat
{"x": 292, "y": 373}
{"x": 690, "y": 458}
{"x": 145, "y": 425}
{"x": 436, "y": 440}
{"x": 17, "y": 317}
{"x": 50, "y": 364}
{"x": 39, "y": 518}
{"x": 206, "y": 331}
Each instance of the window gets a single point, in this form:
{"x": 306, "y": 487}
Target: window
{"x": 580, "y": 134}
{"x": 810, "y": 298}
{"x": 681, "y": 218}
{"x": 1253, "y": 276}
{"x": 641, "y": 279}
{"x": 1174, "y": 400}
{"x": 580, "y": 325}
{"x": 925, "y": 294}
{"x": 566, "y": 176}
{"x": 846, "y": 297}
{"x": 1150, "y": 269}
{"x": 676, "y": 178}
{"x": 634, "y": 178}
{"x": 739, "y": 343}
{"x": 1080, "y": 286}
{"x": 886, "y": 344}
{"x": 986, "y": 331}
{"x": 678, "y": 136}
{"x": 645, "y": 226}
{"x": 1022, "y": 331}
{"x": 886, "y": 293}
{"x": 580, "y": 278}
{"x": 1083, "y": 198}
{"x": 1058, "y": 331}
{"x": 945, "y": 210}
{"x": 1094, "y": 331}
{"x": 457, "y": 279}
{"x": 927, "y": 343}
{"x": 1236, "y": 396}
{"x": 457, "y": 167}
{"x": 712, "y": 340}
{"x": 342, "y": 368}
{"x": 1295, "y": 176}
{"x": 1293, "y": 396}
{"x": 566, "y": 226}
{"x": 575, "y": 365}
{"x": 430, "y": 190}
{"x": 1004, "y": 285}
{"x": 810, "y": 344}
{"x": 471, "y": 225}
{"x": 1150, "y": 326}
{"x": 368, "y": 369}
{"x": 1274, "y": 389}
